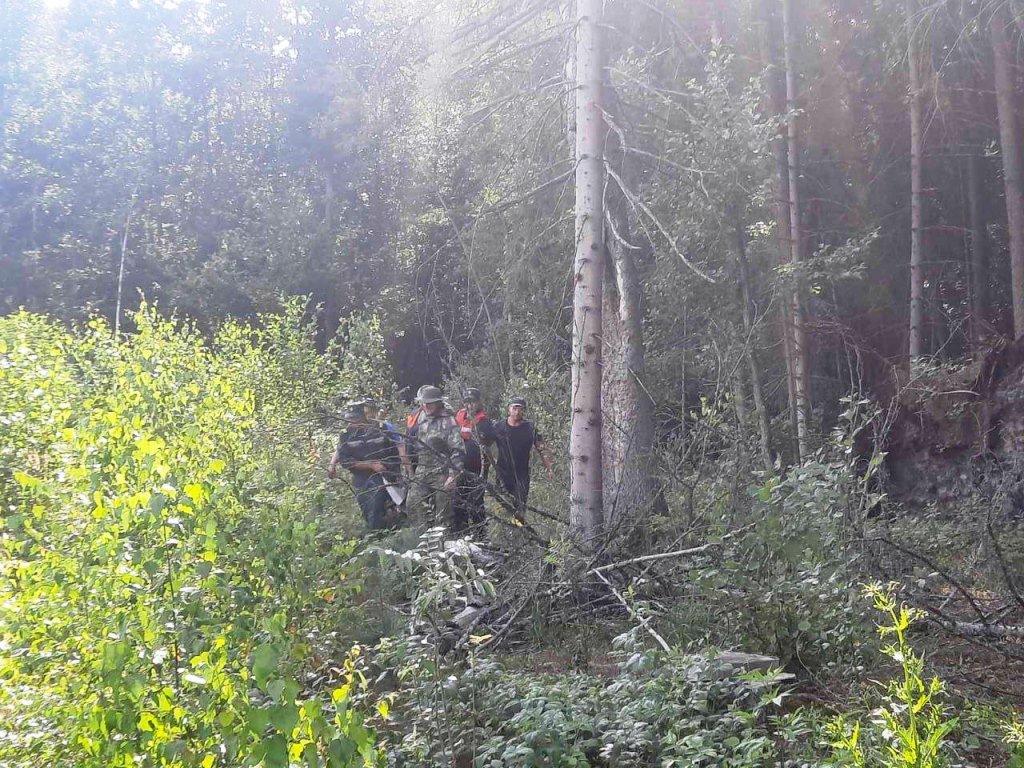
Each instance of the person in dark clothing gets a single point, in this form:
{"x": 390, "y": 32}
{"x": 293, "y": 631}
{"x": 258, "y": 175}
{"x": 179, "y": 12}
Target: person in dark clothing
{"x": 370, "y": 453}
{"x": 516, "y": 438}
{"x": 477, "y": 432}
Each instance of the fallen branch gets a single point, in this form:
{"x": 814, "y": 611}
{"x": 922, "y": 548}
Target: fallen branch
{"x": 975, "y": 629}
{"x": 935, "y": 567}
{"x": 669, "y": 555}
{"x": 642, "y": 619}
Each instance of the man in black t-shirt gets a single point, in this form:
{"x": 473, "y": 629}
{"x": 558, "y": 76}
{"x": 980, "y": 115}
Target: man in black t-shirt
{"x": 370, "y": 453}
{"x": 515, "y": 439}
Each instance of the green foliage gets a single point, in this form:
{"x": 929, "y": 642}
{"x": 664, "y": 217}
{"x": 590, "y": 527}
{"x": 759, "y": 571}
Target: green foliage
{"x": 164, "y": 585}
{"x": 657, "y": 710}
{"x": 910, "y": 727}
{"x": 1014, "y": 736}
{"x": 785, "y": 579}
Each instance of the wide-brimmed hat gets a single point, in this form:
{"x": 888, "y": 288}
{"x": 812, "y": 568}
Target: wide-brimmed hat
{"x": 431, "y": 395}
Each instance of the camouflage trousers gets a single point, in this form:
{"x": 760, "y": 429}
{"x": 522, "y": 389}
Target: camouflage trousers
{"x": 428, "y": 503}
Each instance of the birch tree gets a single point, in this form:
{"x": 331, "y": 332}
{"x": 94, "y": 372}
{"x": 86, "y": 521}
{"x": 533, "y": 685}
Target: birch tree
{"x": 585, "y": 462}
{"x": 800, "y": 350}
{"x": 916, "y": 338}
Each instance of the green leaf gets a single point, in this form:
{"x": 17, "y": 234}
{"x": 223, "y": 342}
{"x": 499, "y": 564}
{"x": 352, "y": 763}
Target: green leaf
{"x": 25, "y": 480}
{"x": 275, "y": 753}
{"x": 264, "y": 663}
{"x": 284, "y": 717}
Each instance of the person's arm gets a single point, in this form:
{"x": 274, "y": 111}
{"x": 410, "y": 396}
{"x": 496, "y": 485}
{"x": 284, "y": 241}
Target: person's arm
{"x": 403, "y": 456}
{"x": 352, "y": 465}
{"x": 488, "y": 440}
{"x": 332, "y": 468}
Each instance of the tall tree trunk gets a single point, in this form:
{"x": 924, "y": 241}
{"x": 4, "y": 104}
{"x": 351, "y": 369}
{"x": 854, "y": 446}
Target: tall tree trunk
{"x": 979, "y": 248}
{"x": 916, "y": 340}
{"x": 627, "y": 409}
{"x": 800, "y": 351}
{"x": 586, "y": 511}
{"x": 756, "y": 387}
{"x": 777, "y": 93}
{"x": 1005, "y": 98}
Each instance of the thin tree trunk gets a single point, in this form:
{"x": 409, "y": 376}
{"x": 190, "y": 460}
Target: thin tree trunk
{"x": 739, "y": 399}
{"x": 1005, "y": 98}
{"x": 120, "y": 269}
{"x": 684, "y": 434}
{"x": 756, "y": 387}
{"x": 916, "y": 340}
{"x": 586, "y": 511}
{"x": 777, "y": 93}
{"x": 979, "y": 249}
{"x": 328, "y": 200}
{"x": 801, "y": 351}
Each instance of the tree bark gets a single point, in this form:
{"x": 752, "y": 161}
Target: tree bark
{"x": 750, "y": 331}
{"x": 627, "y": 409}
{"x": 800, "y": 349}
{"x": 1005, "y": 97}
{"x": 979, "y": 249}
{"x": 586, "y": 512}
{"x": 916, "y": 339}
{"x": 777, "y": 94}
{"x": 739, "y": 399}
{"x": 684, "y": 427}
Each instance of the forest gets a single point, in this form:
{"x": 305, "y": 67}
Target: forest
{"x": 755, "y": 267}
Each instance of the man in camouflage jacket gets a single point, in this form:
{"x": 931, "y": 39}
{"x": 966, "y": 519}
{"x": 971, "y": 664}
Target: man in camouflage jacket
{"x": 441, "y": 459}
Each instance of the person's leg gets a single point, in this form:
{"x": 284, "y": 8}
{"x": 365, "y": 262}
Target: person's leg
{"x": 425, "y": 503}
{"x": 519, "y": 491}
{"x": 460, "y": 504}
{"x": 372, "y": 498}
{"x": 416, "y": 500}
{"x": 475, "y": 502}
{"x": 522, "y": 492}
{"x": 508, "y": 482}
{"x": 442, "y": 500}
{"x": 381, "y": 501}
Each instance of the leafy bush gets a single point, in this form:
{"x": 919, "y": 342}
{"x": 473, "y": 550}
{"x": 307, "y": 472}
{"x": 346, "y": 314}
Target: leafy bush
{"x": 164, "y": 587}
{"x": 784, "y": 579}
{"x": 656, "y": 710}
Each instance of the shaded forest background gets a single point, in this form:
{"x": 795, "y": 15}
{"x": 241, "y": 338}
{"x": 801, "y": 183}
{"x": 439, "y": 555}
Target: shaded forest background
{"x": 411, "y": 159}
{"x": 222, "y": 218}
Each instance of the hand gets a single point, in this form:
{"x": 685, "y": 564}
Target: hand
{"x": 378, "y": 466}
{"x": 551, "y": 473}
{"x": 449, "y": 484}
{"x": 332, "y": 472}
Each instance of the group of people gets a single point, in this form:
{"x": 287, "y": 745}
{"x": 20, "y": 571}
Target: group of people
{"x": 437, "y": 470}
